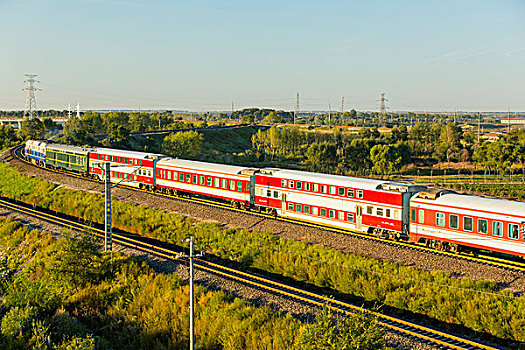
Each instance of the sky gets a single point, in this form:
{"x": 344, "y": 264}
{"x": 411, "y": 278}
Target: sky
{"x": 425, "y": 55}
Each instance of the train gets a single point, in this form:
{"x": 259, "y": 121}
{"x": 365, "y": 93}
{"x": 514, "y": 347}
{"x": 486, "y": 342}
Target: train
{"x": 440, "y": 218}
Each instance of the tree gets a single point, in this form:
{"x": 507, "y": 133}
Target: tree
{"x": 385, "y": 159}
{"x": 449, "y": 141}
{"x": 7, "y": 137}
{"x": 32, "y": 129}
{"x": 321, "y": 155}
{"x": 183, "y": 144}
{"x": 331, "y": 331}
{"x": 117, "y": 136}
{"x": 76, "y": 261}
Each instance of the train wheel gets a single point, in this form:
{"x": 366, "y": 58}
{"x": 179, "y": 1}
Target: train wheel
{"x": 454, "y": 247}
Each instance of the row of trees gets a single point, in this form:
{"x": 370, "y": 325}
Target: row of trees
{"x": 367, "y": 150}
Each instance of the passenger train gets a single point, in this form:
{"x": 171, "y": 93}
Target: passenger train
{"x": 440, "y": 218}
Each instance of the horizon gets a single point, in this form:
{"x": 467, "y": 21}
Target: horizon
{"x": 433, "y": 57}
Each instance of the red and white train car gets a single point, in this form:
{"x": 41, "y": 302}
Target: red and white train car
{"x": 365, "y": 205}
{"x": 447, "y": 220}
{"x": 226, "y": 182}
{"x": 128, "y": 167}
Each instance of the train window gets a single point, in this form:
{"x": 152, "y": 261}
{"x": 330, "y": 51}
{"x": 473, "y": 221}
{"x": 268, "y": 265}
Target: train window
{"x": 283, "y": 183}
{"x": 440, "y": 219}
{"x": 181, "y": 177}
{"x": 467, "y": 223}
{"x": 315, "y": 187}
{"x": 194, "y": 179}
{"x": 239, "y": 186}
{"x": 359, "y": 193}
{"x": 208, "y": 181}
{"x": 232, "y": 185}
{"x": 483, "y": 226}
{"x": 413, "y": 214}
{"x": 341, "y": 215}
{"x": 396, "y": 214}
{"x": 323, "y": 212}
{"x": 188, "y": 177}
{"x": 421, "y": 216}
{"x": 290, "y": 184}
{"x": 298, "y": 185}
{"x": 299, "y": 208}
{"x": 497, "y": 228}
{"x": 140, "y": 162}
{"x": 379, "y": 211}
{"x": 290, "y": 206}
{"x": 349, "y": 192}
{"x": 224, "y": 183}
{"x": 387, "y": 213}
{"x": 341, "y": 191}
{"x": 331, "y": 213}
{"x": 201, "y": 180}
{"x": 169, "y": 175}
{"x": 268, "y": 193}
{"x": 454, "y": 221}
{"x": 323, "y": 188}
{"x": 307, "y": 186}
{"x": 332, "y": 189}
{"x": 307, "y": 209}
{"x": 216, "y": 183}
{"x": 369, "y": 210}
{"x": 275, "y": 194}
{"x": 514, "y": 232}
{"x": 350, "y": 217}
{"x": 315, "y": 210}
{"x": 247, "y": 187}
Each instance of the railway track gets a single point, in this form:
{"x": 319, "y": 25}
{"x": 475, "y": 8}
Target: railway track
{"x": 408, "y": 328}
{"x": 486, "y": 259}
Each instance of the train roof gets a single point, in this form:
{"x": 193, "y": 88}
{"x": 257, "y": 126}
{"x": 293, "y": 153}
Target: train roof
{"x": 340, "y": 180}
{"x": 130, "y": 154}
{"x": 469, "y": 202}
{"x": 192, "y": 164}
{"x": 35, "y": 143}
{"x": 69, "y": 148}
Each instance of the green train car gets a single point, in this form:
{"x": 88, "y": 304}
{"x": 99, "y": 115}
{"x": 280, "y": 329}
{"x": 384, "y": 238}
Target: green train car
{"x": 67, "y": 157}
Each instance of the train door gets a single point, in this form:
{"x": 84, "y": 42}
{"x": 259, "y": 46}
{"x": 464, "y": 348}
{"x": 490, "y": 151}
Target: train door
{"x": 283, "y": 204}
{"x": 358, "y": 217}
{"x": 252, "y": 190}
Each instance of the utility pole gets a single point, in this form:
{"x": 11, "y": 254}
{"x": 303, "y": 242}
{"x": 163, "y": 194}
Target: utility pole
{"x": 296, "y": 113}
{"x": 192, "y": 290}
{"x": 231, "y": 115}
{"x": 342, "y": 105}
{"x": 479, "y": 127}
{"x": 108, "y": 234}
{"x": 508, "y": 121}
{"x": 30, "y": 100}
{"x": 383, "y": 107}
{"x": 329, "y": 112}
{"x": 192, "y": 296}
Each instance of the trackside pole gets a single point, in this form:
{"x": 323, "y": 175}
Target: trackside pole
{"x": 192, "y": 292}
{"x": 108, "y": 234}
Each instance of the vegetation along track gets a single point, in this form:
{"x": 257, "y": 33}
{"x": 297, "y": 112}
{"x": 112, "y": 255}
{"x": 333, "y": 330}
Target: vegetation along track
{"x": 411, "y": 329}
{"x": 485, "y": 259}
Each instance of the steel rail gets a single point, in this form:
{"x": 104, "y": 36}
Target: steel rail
{"x": 396, "y": 324}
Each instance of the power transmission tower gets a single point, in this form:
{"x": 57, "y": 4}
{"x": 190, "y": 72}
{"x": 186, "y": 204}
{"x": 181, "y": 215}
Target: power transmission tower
{"x": 296, "y": 114}
{"x": 329, "y": 112}
{"x": 342, "y": 105}
{"x": 383, "y": 107}
{"x": 30, "y": 100}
